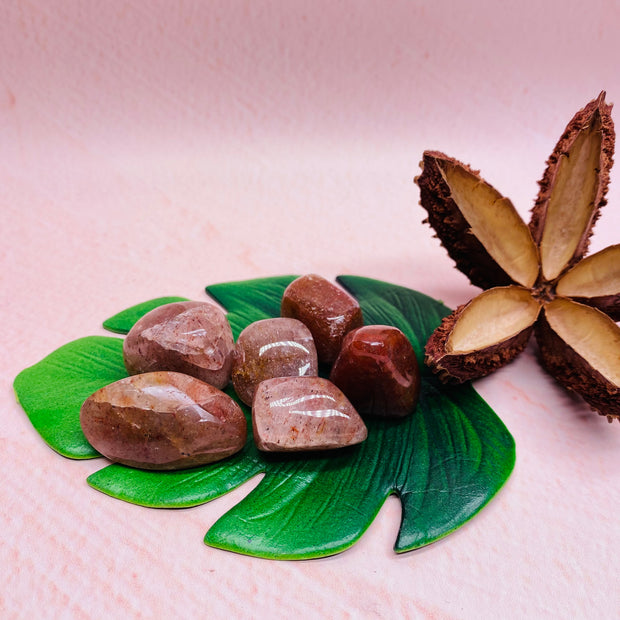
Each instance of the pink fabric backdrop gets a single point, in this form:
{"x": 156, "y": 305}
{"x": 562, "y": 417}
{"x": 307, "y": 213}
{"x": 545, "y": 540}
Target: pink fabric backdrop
{"x": 151, "y": 148}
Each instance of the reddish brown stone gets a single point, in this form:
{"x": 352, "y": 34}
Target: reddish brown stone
{"x": 272, "y": 348}
{"x": 191, "y": 337}
{"x": 327, "y": 311}
{"x": 163, "y": 420}
{"x": 304, "y": 413}
{"x": 378, "y": 371}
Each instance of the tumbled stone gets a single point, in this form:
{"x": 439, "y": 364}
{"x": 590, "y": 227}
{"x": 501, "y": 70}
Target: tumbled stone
{"x": 191, "y": 337}
{"x": 304, "y": 413}
{"x": 271, "y": 348}
{"x": 163, "y": 420}
{"x": 378, "y": 371}
{"x": 328, "y": 311}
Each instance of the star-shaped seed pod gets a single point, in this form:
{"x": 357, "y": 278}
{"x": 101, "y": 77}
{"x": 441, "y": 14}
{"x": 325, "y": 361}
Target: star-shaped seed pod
{"x": 535, "y": 277}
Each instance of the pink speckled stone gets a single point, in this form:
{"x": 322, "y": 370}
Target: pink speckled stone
{"x": 304, "y": 413}
{"x": 271, "y": 348}
{"x": 191, "y": 337}
{"x": 163, "y": 420}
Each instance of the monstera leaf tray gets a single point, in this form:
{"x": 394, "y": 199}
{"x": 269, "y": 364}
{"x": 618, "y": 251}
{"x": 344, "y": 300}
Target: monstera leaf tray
{"x": 444, "y": 462}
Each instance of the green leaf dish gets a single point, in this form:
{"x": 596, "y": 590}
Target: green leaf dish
{"x": 444, "y": 462}
{"x": 52, "y": 391}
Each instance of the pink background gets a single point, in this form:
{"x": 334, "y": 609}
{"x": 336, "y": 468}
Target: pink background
{"x": 151, "y": 148}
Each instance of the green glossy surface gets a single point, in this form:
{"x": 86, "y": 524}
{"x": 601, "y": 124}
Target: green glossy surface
{"x": 53, "y": 390}
{"x": 445, "y": 461}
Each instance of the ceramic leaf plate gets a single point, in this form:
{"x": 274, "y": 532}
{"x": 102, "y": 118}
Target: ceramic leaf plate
{"x": 444, "y": 462}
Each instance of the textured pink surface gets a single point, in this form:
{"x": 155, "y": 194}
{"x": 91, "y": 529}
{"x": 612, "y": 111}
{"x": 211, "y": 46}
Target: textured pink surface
{"x": 149, "y": 149}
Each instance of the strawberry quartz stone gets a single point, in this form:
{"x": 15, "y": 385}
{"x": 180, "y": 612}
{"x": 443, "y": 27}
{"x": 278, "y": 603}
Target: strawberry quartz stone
{"x": 163, "y": 420}
{"x": 327, "y": 311}
{"x": 290, "y": 414}
{"x": 269, "y": 348}
{"x": 378, "y": 371}
{"x": 191, "y": 337}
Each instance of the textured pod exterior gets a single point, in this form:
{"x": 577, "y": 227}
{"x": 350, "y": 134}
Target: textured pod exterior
{"x": 452, "y": 228}
{"x": 597, "y": 111}
{"x": 457, "y": 368}
{"x": 567, "y": 367}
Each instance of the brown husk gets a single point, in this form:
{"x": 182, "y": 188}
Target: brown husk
{"x": 581, "y": 120}
{"x": 452, "y": 229}
{"x": 457, "y": 368}
{"x": 583, "y": 156}
{"x": 573, "y": 372}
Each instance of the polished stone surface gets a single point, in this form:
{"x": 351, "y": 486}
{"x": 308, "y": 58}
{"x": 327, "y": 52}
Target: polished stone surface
{"x": 378, "y": 371}
{"x": 279, "y": 347}
{"x": 163, "y": 420}
{"x": 304, "y": 413}
{"x": 192, "y": 337}
{"x": 326, "y": 309}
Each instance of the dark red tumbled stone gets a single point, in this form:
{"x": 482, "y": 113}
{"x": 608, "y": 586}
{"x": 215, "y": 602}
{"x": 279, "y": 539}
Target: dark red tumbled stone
{"x": 163, "y": 420}
{"x": 378, "y": 371}
{"x": 328, "y": 311}
{"x": 191, "y": 337}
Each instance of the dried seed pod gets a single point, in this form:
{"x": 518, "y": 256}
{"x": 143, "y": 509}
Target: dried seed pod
{"x": 483, "y": 335}
{"x": 595, "y": 281}
{"x": 481, "y": 229}
{"x": 483, "y": 233}
{"x": 573, "y": 188}
{"x": 580, "y": 347}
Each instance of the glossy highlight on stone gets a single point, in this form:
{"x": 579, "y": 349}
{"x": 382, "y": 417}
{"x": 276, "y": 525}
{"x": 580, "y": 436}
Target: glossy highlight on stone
{"x": 328, "y": 311}
{"x": 163, "y": 420}
{"x": 378, "y": 371}
{"x": 279, "y": 347}
{"x": 191, "y": 337}
{"x": 292, "y": 414}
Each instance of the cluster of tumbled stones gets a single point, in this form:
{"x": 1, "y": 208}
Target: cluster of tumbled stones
{"x": 171, "y": 413}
